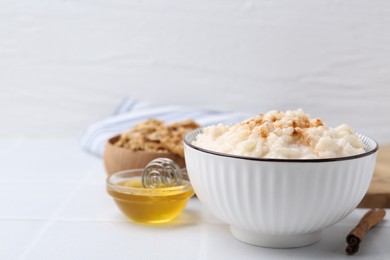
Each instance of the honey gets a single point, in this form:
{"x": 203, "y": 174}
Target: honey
{"x": 150, "y": 206}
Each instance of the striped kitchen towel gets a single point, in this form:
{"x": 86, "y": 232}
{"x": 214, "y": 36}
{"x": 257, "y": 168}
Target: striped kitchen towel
{"x": 131, "y": 111}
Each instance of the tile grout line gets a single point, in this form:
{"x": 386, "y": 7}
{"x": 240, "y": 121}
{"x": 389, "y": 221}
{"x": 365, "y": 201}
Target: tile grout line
{"x": 64, "y": 220}
{"x": 53, "y": 217}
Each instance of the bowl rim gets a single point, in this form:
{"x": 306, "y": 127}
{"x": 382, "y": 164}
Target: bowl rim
{"x": 185, "y": 186}
{"x": 344, "y": 158}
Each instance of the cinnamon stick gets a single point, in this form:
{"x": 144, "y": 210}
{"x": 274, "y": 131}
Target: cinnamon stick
{"x": 356, "y": 236}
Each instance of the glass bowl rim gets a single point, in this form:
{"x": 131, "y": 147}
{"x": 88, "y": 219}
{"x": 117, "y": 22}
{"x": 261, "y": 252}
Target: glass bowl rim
{"x": 185, "y": 186}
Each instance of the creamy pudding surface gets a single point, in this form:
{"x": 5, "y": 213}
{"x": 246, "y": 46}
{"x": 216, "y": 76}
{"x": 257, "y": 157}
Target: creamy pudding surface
{"x": 284, "y": 135}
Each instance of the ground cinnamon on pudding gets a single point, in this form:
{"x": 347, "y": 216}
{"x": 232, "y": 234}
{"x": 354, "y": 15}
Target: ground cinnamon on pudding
{"x": 290, "y": 134}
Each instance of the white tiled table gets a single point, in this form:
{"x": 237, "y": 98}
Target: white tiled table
{"x": 53, "y": 205}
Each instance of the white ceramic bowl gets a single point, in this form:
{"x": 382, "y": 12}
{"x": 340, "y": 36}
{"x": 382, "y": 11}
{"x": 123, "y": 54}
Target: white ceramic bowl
{"x": 278, "y": 202}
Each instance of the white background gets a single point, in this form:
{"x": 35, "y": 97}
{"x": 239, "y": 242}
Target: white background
{"x": 65, "y": 64}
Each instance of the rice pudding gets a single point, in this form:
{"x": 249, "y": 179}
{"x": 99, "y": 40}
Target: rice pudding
{"x": 284, "y": 135}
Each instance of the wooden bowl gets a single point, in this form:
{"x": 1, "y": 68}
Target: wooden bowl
{"x": 118, "y": 158}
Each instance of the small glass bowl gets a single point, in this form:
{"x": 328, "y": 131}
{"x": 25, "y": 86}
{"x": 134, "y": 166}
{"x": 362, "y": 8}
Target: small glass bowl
{"x": 145, "y": 205}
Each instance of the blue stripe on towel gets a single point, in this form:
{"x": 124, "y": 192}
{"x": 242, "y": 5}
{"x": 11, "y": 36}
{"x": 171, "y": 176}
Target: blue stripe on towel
{"x": 131, "y": 111}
